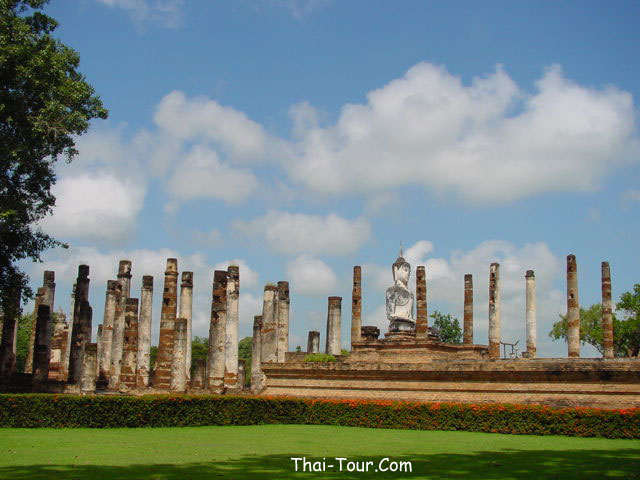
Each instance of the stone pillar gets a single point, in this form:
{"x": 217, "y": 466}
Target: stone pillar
{"x": 257, "y": 378}
{"x": 81, "y": 329}
{"x": 178, "y": 367}
{"x": 334, "y": 313}
{"x": 9, "y": 334}
{"x": 313, "y": 342}
{"x": 130, "y": 349}
{"x": 241, "y": 374}
{"x": 530, "y": 280}
{"x": 217, "y": 334}
{"x": 269, "y": 342}
{"x": 162, "y": 373}
{"x": 282, "y": 320}
{"x": 41, "y": 356}
{"x": 106, "y": 339}
{"x": 117, "y": 342}
{"x": 100, "y": 347}
{"x": 67, "y": 354}
{"x": 28, "y": 364}
{"x": 422, "y": 319}
{"x": 144, "y": 332}
{"x": 185, "y": 309}
{"x": 607, "y": 315}
{"x": 231, "y": 328}
{"x": 468, "y": 310}
{"x": 356, "y": 306}
{"x": 58, "y": 347}
{"x": 124, "y": 277}
{"x": 573, "y": 308}
{"x": 89, "y": 368}
{"x": 197, "y": 381}
{"x": 48, "y": 298}
{"x": 494, "y": 310}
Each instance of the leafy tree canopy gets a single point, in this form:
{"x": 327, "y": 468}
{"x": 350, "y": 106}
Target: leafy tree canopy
{"x": 447, "y": 326}
{"x": 44, "y": 103}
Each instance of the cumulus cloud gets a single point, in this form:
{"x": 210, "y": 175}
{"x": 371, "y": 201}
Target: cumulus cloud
{"x": 488, "y": 141}
{"x": 295, "y": 233}
{"x": 167, "y": 13}
{"x": 100, "y": 207}
{"x": 311, "y": 276}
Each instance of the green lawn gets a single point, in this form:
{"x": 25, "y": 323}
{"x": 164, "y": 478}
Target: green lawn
{"x": 255, "y": 452}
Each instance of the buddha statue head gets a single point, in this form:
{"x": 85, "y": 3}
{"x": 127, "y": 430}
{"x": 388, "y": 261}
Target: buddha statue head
{"x": 401, "y": 270}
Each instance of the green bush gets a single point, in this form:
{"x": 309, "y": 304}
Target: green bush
{"x": 319, "y": 357}
{"x": 44, "y": 410}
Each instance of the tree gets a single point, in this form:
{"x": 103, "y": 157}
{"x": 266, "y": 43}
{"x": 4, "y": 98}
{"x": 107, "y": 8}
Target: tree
{"x": 199, "y": 350}
{"x": 626, "y": 332}
{"x": 245, "y": 347}
{"x": 22, "y": 344}
{"x": 447, "y": 326}
{"x": 44, "y": 103}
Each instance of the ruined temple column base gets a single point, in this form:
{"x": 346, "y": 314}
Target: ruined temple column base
{"x": 400, "y": 325}
{"x": 400, "y": 336}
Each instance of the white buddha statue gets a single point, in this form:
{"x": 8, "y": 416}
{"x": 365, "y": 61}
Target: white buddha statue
{"x": 400, "y": 298}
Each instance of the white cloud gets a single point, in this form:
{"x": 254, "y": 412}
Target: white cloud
{"x": 202, "y": 175}
{"x": 295, "y": 233}
{"x": 311, "y": 276}
{"x": 100, "y": 207}
{"x": 212, "y": 238}
{"x": 631, "y": 194}
{"x": 488, "y": 141}
{"x": 299, "y": 8}
{"x": 167, "y": 13}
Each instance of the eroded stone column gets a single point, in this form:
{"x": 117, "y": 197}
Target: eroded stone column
{"x": 185, "y": 311}
{"x": 89, "y": 368}
{"x": 607, "y": 311}
{"x": 468, "y": 310}
{"x": 257, "y": 378}
{"x": 117, "y": 342}
{"x": 162, "y": 372}
{"x": 530, "y": 280}
{"x": 282, "y": 320}
{"x": 106, "y": 343}
{"x": 241, "y": 374}
{"x": 67, "y": 354}
{"x": 334, "y": 314}
{"x": 58, "y": 347}
{"x": 144, "y": 331}
{"x": 81, "y": 333}
{"x": 494, "y": 310}
{"x": 124, "y": 277}
{"x": 48, "y": 298}
{"x": 41, "y": 356}
{"x": 231, "y": 328}
{"x": 217, "y": 334}
{"x": 197, "y": 381}
{"x": 178, "y": 368}
{"x": 130, "y": 348}
{"x": 422, "y": 319}
{"x": 573, "y": 308}
{"x": 356, "y": 306}
{"x": 100, "y": 347}
{"x": 269, "y": 343}
{"x": 28, "y": 365}
{"x": 313, "y": 342}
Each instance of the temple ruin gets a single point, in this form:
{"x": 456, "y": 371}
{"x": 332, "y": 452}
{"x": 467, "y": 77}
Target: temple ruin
{"x": 409, "y": 362}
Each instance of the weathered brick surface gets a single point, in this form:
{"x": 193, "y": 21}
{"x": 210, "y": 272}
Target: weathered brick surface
{"x": 130, "y": 348}
{"x": 573, "y": 308}
{"x": 422, "y": 319}
{"x": 468, "y": 310}
{"x": 356, "y": 306}
{"x": 162, "y": 372}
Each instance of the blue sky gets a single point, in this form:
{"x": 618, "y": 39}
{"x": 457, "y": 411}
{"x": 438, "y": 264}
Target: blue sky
{"x": 300, "y": 138}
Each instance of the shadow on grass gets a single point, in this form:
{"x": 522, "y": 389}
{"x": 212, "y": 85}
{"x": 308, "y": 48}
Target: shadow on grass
{"x": 520, "y": 464}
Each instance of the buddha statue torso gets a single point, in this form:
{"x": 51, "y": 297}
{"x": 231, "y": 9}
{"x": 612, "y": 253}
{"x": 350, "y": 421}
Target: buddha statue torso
{"x": 400, "y": 299}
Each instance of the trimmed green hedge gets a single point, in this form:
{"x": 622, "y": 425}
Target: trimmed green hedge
{"x": 42, "y": 410}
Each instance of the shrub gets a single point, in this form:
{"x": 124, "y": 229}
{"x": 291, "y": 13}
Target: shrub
{"x": 319, "y": 357}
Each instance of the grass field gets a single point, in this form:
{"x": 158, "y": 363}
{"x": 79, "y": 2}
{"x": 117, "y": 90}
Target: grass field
{"x": 255, "y": 452}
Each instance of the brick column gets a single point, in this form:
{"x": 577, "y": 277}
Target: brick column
{"x": 530, "y": 280}
{"x": 41, "y": 357}
{"x": 573, "y": 308}
{"x": 217, "y": 334}
{"x": 282, "y": 320}
{"x": 422, "y": 319}
{"x": 468, "y": 310}
{"x": 81, "y": 333}
{"x": 334, "y": 313}
{"x": 241, "y": 374}
{"x": 231, "y": 328}
{"x": 130, "y": 349}
{"x": 106, "y": 339}
{"x": 28, "y": 365}
{"x": 49, "y": 293}
{"x": 117, "y": 341}
{"x": 607, "y": 315}
{"x": 197, "y": 381}
{"x": 269, "y": 343}
{"x": 185, "y": 311}
{"x": 178, "y": 368}
{"x": 356, "y": 305}
{"x": 257, "y": 379}
{"x": 89, "y": 368}
{"x": 162, "y": 373}
{"x": 124, "y": 277}
{"x": 313, "y": 342}
{"x": 494, "y": 311}
{"x": 67, "y": 353}
{"x": 144, "y": 332}
{"x": 58, "y": 348}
